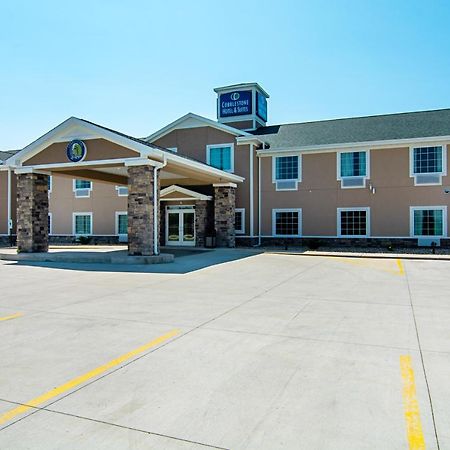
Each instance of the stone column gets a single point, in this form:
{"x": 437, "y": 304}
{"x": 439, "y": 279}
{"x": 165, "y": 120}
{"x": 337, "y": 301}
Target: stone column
{"x": 32, "y": 213}
{"x": 141, "y": 210}
{"x": 202, "y": 220}
{"x": 224, "y": 210}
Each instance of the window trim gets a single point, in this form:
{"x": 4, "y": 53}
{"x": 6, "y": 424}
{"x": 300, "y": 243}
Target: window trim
{"x": 338, "y": 168}
{"x": 76, "y": 214}
{"x": 274, "y": 222}
{"x": 362, "y": 208}
{"x": 242, "y": 230}
{"x": 208, "y": 150}
{"x": 274, "y": 170}
{"x": 75, "y": 189}
{"x": 50, "y": 184}
{"x": 118, "y": 191}
{"x": 117, "y": 214}
{"x": 442, "y": 208}
{"x": 441, "y": 174}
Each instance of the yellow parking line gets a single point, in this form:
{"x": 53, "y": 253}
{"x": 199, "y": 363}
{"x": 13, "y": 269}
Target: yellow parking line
{"x": 83, "y": 378}
{"x": 414, "y": 431}
{"x": 13, "y": 316}
{"x": 401, "y": 268}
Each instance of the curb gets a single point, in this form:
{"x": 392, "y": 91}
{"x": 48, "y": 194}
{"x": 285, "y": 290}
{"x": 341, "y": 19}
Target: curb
{"x": 367, "y": 255}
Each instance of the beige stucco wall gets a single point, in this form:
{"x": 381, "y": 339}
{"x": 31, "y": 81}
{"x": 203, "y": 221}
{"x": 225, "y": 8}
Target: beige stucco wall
{"x": 319, "y": 194}
{"x": 103, "y": 203}
{"x": 192, "y": 142}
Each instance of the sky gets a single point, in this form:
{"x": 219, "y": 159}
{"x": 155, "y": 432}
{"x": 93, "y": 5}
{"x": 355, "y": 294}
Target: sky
{"x": 136, "y": 66}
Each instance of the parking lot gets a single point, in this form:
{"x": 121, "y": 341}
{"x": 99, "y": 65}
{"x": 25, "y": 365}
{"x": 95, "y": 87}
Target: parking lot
{"x": 249, "y": 351}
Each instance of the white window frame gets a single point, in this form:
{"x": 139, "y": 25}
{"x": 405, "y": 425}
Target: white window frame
{"x": 274, "y": 171}
{"x": 50, "y": 184}
{"x": 75, "y": 190}
{"x": 443, "y": 208}
{"x": 338, "y": 171}
{"x": 119, "y": 213}
{"x": 76, "y": 214}
{"x": 210, "y": 146}
{"x": 50, "y": 229}
{"x": 366, "y": 209}
{"x": 441, "y": 174}
{"x": 242, "y": 229}
{"x": 118, "y": 191}
{"x": 274, "y": 222}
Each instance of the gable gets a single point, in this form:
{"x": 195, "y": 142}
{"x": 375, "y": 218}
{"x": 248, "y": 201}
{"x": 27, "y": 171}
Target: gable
{"x": 97, "y": 149}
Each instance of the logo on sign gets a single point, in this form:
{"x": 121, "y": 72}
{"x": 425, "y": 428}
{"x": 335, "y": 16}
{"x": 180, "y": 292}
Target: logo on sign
{"x": 76, "y": 151}
{"x": 238, "y": 103}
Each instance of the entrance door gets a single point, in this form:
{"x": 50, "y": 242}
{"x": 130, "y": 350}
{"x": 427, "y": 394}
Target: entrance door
{"x": 180, "y": 227}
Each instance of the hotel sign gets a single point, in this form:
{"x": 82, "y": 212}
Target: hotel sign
{"x": 237, "y": 103}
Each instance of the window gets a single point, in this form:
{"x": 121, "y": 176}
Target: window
{"x": 121, "y": 223}
{"x": 428, "y": 164}
{"x": 122, "y": 191}
{"x": 221, "y": 156}
{"x": 353, "y": 222}
{"x": 286, "y": 222}
{"x": 429, "y": 220}
{"x": 82, "y": 224}
{"x": 353, "y": 169}
{"x": 286, "y": 172}
{"x": 82, "y": 188}
{"x": 50, "y": 184}
{"x": 239, "y": 221}
{"x": 50, "y": 223}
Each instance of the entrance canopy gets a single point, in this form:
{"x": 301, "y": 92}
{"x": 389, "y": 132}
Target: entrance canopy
{"x": 102, "y": 154}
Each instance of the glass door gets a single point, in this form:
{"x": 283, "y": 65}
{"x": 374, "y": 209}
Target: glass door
{"x": 180, "y": 226}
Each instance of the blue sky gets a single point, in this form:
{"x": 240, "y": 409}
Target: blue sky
{"x": 137, "y": 65}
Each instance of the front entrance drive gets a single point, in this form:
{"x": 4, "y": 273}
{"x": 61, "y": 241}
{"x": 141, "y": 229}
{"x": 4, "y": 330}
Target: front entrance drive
{"x": 266, "y": 352}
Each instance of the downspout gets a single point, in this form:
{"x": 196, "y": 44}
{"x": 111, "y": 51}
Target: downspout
{"x": 155, "y": 206}
{"x": 259, "y": 196}
{"x": 251, "y": 193}
{"x": 9, "y": 204}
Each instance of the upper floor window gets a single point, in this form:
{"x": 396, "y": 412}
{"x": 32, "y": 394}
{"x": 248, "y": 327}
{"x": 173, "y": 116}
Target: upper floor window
{"x": 122, "y": 191}
{"x": 353, "y": 169}
{"x": 221, "y": 156}
{"x": 286, "y": 172}
{"x": 428, "y": 164}
{"x": 82, "y": 188}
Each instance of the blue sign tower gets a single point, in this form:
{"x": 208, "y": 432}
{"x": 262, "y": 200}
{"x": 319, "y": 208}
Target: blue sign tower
{"x": 242, "y": 106}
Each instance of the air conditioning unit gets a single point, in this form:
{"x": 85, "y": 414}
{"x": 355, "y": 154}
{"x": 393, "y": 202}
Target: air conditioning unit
{"x": 353, "y": 182}
{"x": 428, "y": 178}
{"x": 428, "y": 241}
{"x": 80, "y": 193}
{"x": 286, "y": 185}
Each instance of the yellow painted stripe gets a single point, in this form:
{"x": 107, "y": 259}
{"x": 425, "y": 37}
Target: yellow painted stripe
{"x": 13, "y": 316}
{"x": 83, "y": 378}
{"x": 401, "y": 268}
{"x": 414, "y": 431}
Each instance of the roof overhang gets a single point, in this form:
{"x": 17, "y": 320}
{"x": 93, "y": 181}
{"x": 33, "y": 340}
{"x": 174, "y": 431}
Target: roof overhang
{"x": 175, "y": 166}
{"x": 367, "y": 145}
{"x": 185, "y": 194}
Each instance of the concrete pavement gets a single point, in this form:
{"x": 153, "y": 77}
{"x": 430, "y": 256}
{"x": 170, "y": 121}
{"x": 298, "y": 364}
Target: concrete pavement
{"x": 268, "y": 352}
